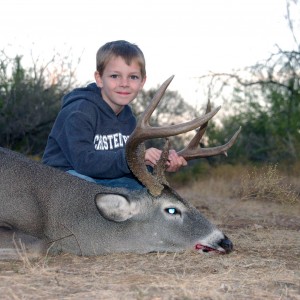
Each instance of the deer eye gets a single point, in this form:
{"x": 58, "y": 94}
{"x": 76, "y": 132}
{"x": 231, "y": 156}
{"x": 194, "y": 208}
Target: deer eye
{"x": 172, "y": 211}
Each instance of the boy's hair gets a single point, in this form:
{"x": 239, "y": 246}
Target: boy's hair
{"x": 123, "y": 49}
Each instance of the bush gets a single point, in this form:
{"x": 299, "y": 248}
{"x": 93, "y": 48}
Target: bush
{"x": 267, "y": 184}
{"x": 30, "y": 100}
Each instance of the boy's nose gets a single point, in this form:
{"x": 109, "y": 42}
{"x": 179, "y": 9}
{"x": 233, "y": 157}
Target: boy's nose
{"x": 124, "y": 82}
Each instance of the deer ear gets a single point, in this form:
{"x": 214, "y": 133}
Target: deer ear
{"x": 115, "y": 207}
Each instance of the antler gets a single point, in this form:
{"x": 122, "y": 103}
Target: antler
{"x": 135, "y": 149}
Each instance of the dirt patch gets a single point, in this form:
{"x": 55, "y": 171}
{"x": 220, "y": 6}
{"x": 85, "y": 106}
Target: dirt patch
{"x": 264, "y": 265}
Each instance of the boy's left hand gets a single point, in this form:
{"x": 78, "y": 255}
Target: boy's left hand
{"x": 175, "y": 161}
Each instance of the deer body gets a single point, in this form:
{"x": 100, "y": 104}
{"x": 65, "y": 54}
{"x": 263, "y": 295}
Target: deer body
{"x": 87, "y": 219}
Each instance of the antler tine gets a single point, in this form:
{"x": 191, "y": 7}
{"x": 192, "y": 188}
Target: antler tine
{"x": 144, "y": 119}
{"x": 193, "y": 151}
{"x": 194, "y": 143}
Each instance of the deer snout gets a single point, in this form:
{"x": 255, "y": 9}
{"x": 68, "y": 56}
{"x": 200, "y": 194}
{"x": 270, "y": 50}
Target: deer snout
{"x": 226, "y": 244}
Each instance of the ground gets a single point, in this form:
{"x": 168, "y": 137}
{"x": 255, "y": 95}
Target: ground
{"x": 265, "y": 263}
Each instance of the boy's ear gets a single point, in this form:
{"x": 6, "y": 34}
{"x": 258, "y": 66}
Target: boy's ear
{"x": 98, "y": 79}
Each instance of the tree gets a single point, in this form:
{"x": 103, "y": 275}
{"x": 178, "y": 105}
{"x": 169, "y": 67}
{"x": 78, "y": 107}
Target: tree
{"x": 266, "y": 102}
{"x": 30, "y": 100}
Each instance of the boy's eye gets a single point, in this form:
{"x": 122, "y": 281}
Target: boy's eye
{"x": 134, "y": 77}
{"x": 114, "y": 76}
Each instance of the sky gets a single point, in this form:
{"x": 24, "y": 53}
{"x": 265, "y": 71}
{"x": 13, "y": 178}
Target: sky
{"x": 185, "y": 38}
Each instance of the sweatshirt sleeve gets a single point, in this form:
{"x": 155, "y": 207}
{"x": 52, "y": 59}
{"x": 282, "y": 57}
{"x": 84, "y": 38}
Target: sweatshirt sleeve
{"x": 76, "y": 141}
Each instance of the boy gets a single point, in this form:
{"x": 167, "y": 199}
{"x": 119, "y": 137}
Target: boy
{"x": 89, "y": 135}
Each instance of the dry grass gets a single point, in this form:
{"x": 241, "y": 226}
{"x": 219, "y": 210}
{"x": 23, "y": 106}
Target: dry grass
{"x": 267, "y": 184}
{"x": 264, "y": 265}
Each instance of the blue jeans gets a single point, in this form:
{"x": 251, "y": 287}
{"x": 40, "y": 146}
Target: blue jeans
{"x": 125, "y": 182}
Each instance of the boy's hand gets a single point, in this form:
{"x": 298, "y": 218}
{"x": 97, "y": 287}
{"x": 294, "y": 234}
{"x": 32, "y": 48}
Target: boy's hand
{"x": 175, "y": 162}
{"x": 152, "y": 156}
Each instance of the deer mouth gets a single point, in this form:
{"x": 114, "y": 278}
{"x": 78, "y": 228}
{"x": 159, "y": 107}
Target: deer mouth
{"x": 207, "y": 249}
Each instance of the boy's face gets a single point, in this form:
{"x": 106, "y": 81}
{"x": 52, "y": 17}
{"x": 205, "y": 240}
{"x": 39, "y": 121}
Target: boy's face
{"x": 120, "y": 83}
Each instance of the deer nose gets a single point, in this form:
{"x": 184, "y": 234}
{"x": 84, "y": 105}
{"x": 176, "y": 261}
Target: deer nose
{"x": 226, "y": 244}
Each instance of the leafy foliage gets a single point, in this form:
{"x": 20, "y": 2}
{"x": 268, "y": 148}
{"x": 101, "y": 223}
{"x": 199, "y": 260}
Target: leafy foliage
{"x": 30, "y": 100}
{"x": 268, "y": 109}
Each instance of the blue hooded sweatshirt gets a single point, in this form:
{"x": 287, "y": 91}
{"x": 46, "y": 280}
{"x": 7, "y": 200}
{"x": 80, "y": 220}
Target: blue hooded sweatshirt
{"x": 89, "y": 137}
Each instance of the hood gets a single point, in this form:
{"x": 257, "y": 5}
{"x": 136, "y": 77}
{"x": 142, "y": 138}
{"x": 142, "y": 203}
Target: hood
{"x": 90, "y": 93}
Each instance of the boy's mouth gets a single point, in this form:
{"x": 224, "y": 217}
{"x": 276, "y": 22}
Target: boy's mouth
{"x": 123, "y": 93}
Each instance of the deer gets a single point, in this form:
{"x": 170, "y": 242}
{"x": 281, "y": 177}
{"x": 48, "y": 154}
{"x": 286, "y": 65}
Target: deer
{"x": 45, "y": 210}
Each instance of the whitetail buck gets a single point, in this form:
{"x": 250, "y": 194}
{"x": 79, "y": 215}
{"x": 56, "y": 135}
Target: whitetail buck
{"x": 49, "y": 208}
